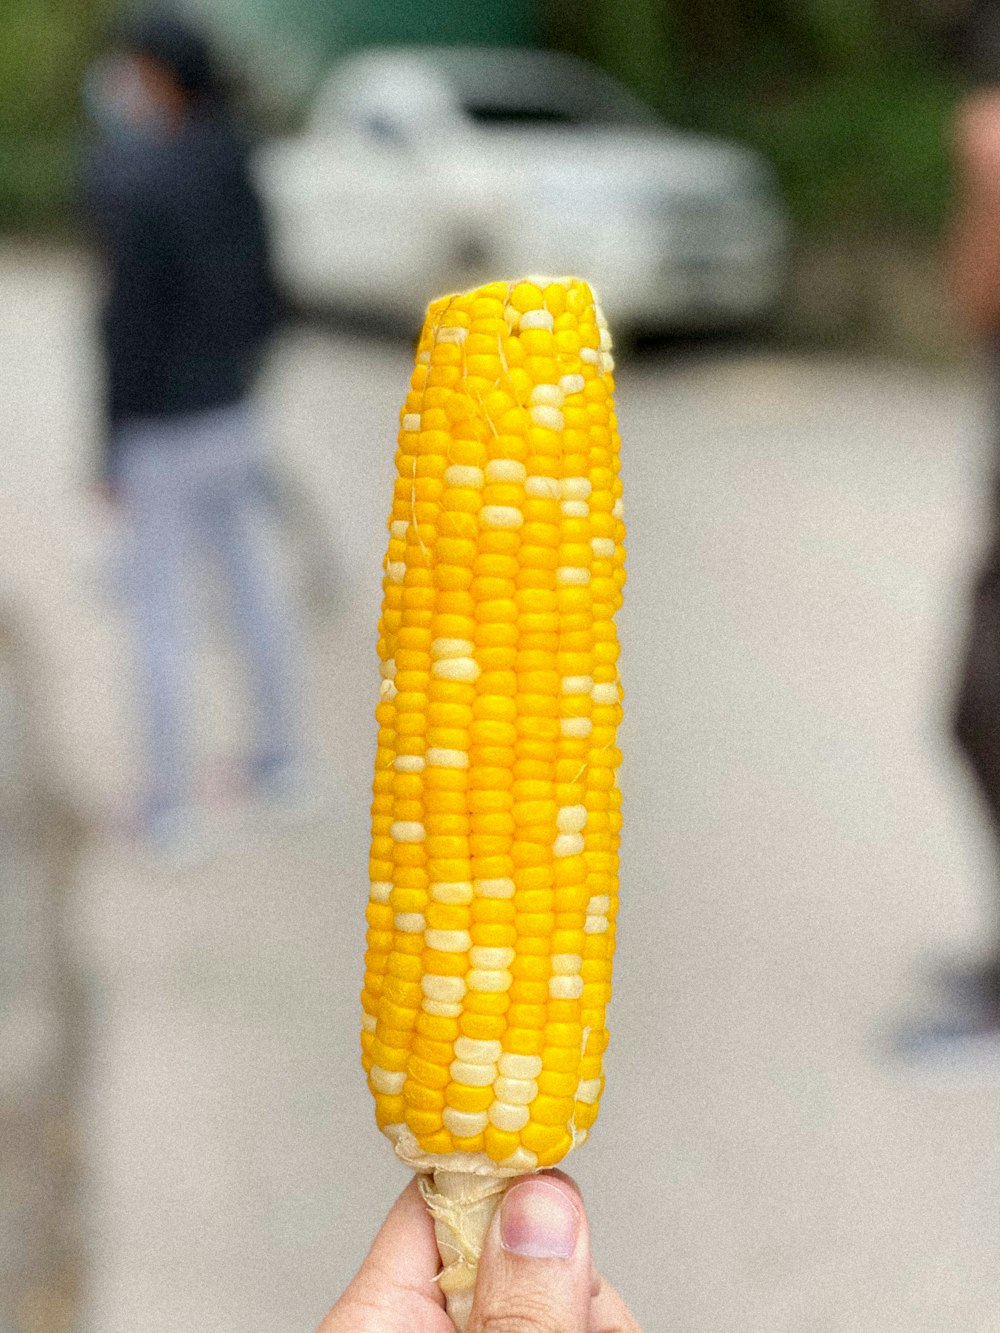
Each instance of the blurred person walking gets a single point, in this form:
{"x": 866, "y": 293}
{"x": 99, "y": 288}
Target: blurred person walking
{"x": 974, "y": 272}
{"x": 189, "y": 308}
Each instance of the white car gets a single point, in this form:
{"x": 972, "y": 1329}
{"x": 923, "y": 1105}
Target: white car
{"x": 425, "y": 170}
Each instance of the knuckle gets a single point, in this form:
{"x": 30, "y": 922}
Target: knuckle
{"x": 527, "y": 1316}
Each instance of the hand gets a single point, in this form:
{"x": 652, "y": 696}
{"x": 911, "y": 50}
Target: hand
{"x": 535, "y": 1274}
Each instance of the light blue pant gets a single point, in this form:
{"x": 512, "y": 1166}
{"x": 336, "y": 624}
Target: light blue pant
{"x": 192, "y": 485}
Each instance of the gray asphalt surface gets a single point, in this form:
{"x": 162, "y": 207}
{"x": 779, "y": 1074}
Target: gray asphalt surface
{"x": 800, "y": 847}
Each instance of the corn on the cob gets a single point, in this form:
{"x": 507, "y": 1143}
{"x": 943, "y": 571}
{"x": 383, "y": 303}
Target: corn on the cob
{"x": 496, "y": 816}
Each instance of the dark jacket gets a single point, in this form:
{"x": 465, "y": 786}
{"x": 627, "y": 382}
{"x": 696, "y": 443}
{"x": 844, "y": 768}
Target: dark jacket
{"x": 191, "y": 298}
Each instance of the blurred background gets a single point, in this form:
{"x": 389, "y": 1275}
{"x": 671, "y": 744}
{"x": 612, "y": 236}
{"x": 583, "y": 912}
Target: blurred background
{"x": 760, "y": 192}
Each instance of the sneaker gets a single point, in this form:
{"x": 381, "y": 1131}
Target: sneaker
{"x": 965, "y": 1051}
{"x": 972, "y": 985}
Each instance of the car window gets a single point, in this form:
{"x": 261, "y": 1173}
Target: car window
{"x": 511, "y": 90}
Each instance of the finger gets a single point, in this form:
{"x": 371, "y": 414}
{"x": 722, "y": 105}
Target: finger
{"x": 609, "y": 1313}
{"x": 535, "y": 1272}
{"x": 397, "y": 1279}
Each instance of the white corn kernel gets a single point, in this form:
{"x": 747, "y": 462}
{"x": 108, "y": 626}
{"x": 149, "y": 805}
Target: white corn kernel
{"x": 464, "y": 1124}
{"x": 603, "y": 547}
{"x": 543, "y": 488}
{"x": 410, "y": 923}
{"x": 456, "y": 668}
{"x": 510, "y": 1118}
{"x": 606, "y": 692}
{"x": 477, "y": 1052}
{"x": 407, "y": 830}
{"x": 380, "y": 891}
{"x": 576, "y": 726}
{"x": 395, "y": 571}
{"x": 589, "y": 1091}
{"x": 387, "y": 1080}
{"x": 516, "y": 1091}
{"x": 546, "y": 395}
{"x": 448, "y": 941}
{"x": 441, "y": 648}
{"x": 438, "y": 758}
{"x": 447, "y": 989}
{"x": 571, "y": 818}
{"x": 494, "y": 888}
{"x": 576, "y": 488}
{"x": 453, "y": 892}
{"x": 513, "y": 1065}
{"x": 442, "y": 1008}
{"x": 408, "y": 763}
{"x": 537, "y": 319}
{"x": 575, "y": 508}
{"x": 566, "y": 964}
{"x": 501, "y": 516}
{"x": 505, "y": 469}
{"x": 572, "y": 576}
{"x": 549, "y": 417}
{"x": 472, "y": 1075}
{"x": 451, "y": 333}
{"x": 572, "y": 383}
{"x": 368, "y": 1023}
{"x": 577, "y": 684}
{"x": 595, "y": 924}
{"x": 411, "y": 421}
{"x": 521, "y": 1161}
{"x": 568, "y": 844}
{"x": 565, "y": 988}
{"x": 489, "y": 980}
{"x": 599, "y": 905}
{"x": 618, "y": 509}
{"x": 493, "y": 959}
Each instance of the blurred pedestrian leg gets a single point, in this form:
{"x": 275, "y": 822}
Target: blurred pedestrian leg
{"x": 974, "y": 271}
{"x": 190, "y": 487}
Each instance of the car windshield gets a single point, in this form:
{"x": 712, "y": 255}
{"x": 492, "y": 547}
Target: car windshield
{"x": 537, "y": 88}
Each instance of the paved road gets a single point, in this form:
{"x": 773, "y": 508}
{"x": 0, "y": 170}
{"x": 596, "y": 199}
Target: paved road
{"x": 799, "y": 844}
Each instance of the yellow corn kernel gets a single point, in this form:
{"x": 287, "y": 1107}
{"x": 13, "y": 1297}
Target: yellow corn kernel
{"x": 495, "y": 814}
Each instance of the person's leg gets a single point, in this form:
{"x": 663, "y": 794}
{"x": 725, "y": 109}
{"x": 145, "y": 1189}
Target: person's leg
{"x": 162, "y": 619}
{"x": 264, "y": 620}
{"x": 976, "y": 720}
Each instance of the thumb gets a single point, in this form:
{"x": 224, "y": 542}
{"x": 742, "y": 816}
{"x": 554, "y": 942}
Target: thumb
{"x": 535, "y": 1271}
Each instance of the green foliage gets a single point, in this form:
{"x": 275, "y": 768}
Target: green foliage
{"x": 850, "y": 106}
{"x": 852, "y": 150}
{"x": 46, "y": 46}
{"x": 36, "y": 176}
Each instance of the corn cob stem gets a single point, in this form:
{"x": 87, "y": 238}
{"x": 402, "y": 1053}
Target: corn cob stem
{"x": 462, "y": 1206}
{"x": 462, "y": 1192}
